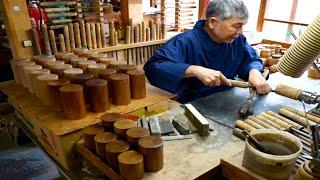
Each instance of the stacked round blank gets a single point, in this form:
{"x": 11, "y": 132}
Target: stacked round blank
{"x": 19, "y": 69}
{"x": 113, "y": 150}
{"x": 37, "y": 58}
{"x": 72, "y": 101}
{"x": 151, "y": 147}
{"x": 121, "y": 127}
{"x": 95, "y": 68}
{"x": 124, "y": 68}
{"x": 136, "y": 133}
{"x": 96, "y": 57}
{"x": 50, "y": 65}
{"x": 43, "y": 87}
{"x": 69, "y": 73}
{"x": 79, "y": 51}
{"x": 101, "y": 140}
{"x": 27, "y": 70}
{"x": 131, "y": 165}
{"x": 54, "y": 98}
{"x": 303, "y": 52}
{"x": 109, "y": 119}
{"x": 59, "y": 69}
{"x": 116, "y": 64}
{"x": 45, "y": 59}
{"x": 137, "y": 84}
{"x": 84, "y": 64}
{"x": 105, "y": 73}
{"x": 59, "y": 55}
{"x": 75, "y": 61}
{"x": 106, "y": 60}
{"x": 67, "y": 57}
{"x": 120, "y": 89}
{"x": 34, "y": 75}
{"x": 88, "y": 54}
{"x": 98, "y": 95}
{"x": 89, "y": 134}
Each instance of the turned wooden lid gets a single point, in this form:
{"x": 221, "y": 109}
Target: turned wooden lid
{"x": 111, "y": 117}
{"x": 40, "y": 71}
{"x": 135, "y": 72}
{"x": 130, "y": 157}
{"x": 97, "y": 66}
{"x": 45, "y": 77}
{"x": 124, "y": 124}
{"x": 96, "y": 82}
{"x": 84, "y": 76}
{"x": 73, "y": 71}
{"x": 92, "y": 129}
{"x": 150, "y": 142}
{"x": 54, "y": 63}
{"x": 118, "y": 77}
{"x": 105, "y": 137}
{"x": 58, "y": 82}
{"x": 117, "y": 146}
{"x": 138, "y": 132}
{"x": 71, "y": 88}
{"x": 125, "y": 68}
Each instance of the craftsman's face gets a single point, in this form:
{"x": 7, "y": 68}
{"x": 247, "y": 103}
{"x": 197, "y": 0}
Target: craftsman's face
{"x": 226, "y": 31}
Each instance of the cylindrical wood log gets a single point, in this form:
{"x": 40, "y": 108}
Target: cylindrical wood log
{"x": 113, "y": 149}
{"x": 95, "y": 68}
{"x": 83, "y": 34}
{"x": 105, "y": 73}
{"x": 111, "y": 32}
{"x": 72, "y": 101}
{"x": 258, "y": 121}
{"x": 75, "y": 61}
{"x": 77, "y": 35}
{"x": 54, "y": 98}
{"x": 288, "y": 91}
{"x": 67, "y": 58}
{"x": 262, "y": 118}
{"x": 34, "y": 75}
{"x": 151, "y": 147}
{"x": 88, "y": 36}
{"x": 98, "y": 34}
{"x": 84, "y": 64}
{"x": 106, "y": 60}
{"x": 136, "y": 133}
{"x": 295, "y": 117}
{"x": 16, "y": 66}
{"x": 27, "y": 70}
{"x": 97, "y": 90}
{"x": 131, "y": 165}
{"x": 120, "y": 89}
{"x": 45, "y": 36}
{"x": 62, "y": 43}
{"x": 103, "y": 39}
{"x": 276, "y": 120}
{"x": 89, "y": 134}
{"x": 46, "y": 59}
{"x": 67, "y": 38}
{"x": 125, "y": 68}
{"x": 50, "y": 65}
{"x": 128, "y": 34}
{"x": 253, "y": 124}
{"x": 244, "y": 126}
{"x": 109, "y": 119}
{"x": 44, "y": 92}
{"x": 69, "y": 73}
{"x": 93, "y": 35}
{"x": 20, "y": 73}
{"x": 58, "y": 69}
{"x": 35, "y": 41}
{"x": 294, "y": 124}
{"x": 101, "y": 140}
{"x": 116, "y": 64}
{"x": 137, "y": 84}
{"x": 121, "y": 127}
{"x": 71, "y": 35}
{"x": 97, "y": 56}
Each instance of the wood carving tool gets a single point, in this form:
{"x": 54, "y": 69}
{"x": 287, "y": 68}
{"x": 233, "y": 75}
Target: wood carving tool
{"x": 198, "y": 120}
{"x": 244, "y": 126}
{"x": 240, "y": 84}
{"x": 177, "y": 137}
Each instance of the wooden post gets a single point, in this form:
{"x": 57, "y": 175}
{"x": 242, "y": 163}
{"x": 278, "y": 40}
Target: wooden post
{"x": 17, "y": 22}
{"x": 131, "y": 9}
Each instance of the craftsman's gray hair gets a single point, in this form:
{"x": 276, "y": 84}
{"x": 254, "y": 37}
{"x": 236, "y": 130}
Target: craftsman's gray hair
{"x": 225, "y": 9}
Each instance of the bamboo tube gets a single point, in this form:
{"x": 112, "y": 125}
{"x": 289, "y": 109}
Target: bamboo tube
{"x": 77, "y": 35}
{"x": 67, "y": 38}
{"x": 83, "y": 34}
{"x": 71, "y": 35}
{"x": 52, "y": 39}
{"x": 99, "y": 42}
{"x": 88, "y": 36}
{"x": 62, "y": 43}
{"x": 93, "y": 35}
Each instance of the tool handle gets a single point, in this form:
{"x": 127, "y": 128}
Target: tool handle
{"x": 240, "y": 84}
{"x": 288, "y": 91}
{"x": 244, "y": 126}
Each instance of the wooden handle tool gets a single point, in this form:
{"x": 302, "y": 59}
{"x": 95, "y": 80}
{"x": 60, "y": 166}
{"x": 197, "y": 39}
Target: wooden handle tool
{"x": 240, "y": 84}
{"x": 244, "y": 126}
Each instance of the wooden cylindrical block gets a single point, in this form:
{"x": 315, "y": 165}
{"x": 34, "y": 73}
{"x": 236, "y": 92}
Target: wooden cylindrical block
{"x": 20, "y": 72}
{"x": 103, "y": 39}
{"x": 93, "y": 35}
{"x": 89, "y": 133}
{"x": 54, "y": 98}
{"x": 109, "y": 119}
{"x": 116, "y": 64}
{"x": 137, "y": 84}
{"x": 84, "y": 64}
{"x": 16, "y": 68}
{"x": 77, "y": 35}
{"x": 98, "y": 34}
{"x": 128, "y": 34}
{"x": 124, "y": 68}
{"x": 111, "y": 32}
{"x": 46, "y": 59}
{"x": 136, "y": 133}
{"x": 81, "y": 78}
{"x": 43, "y": 87}
{"x": 88, "y": 54}
{"x": 58, "y": 69}
{"x": 121, "y": 127}
{"x": 113, "y": 149}
{"x": 97, "y": 56}
{"x": 97, "y": 91}
{"x": 52, "y": 39}
{"x": 120, "y": 89}
{"x": 27, "y": 70}
{"x": 83, "y": 34}
{"x": 50, "y": 65}
{"x": 106, "y": 60}
{"x": 67, "y": 58}
{"x": 71, "y": 35}
{"x": 95, "y": 68}
{"x": 72, "y": 101}
{"x": 69, "y": 73}
{"x": 101, "y": 140}
{"x": 74, "y": 61}
{"x": 105, "y": 73}
{"x": 45, "y": 36}
{"x": 131, "y": 165}
{"x": 34, "y": 75}
{"x": 67, "y": 38}
{"x": 288, "y": 91}
{"x": 62, "y": 43}
{"x": 79, "y": 51}
{"x": 151, "y": 147}
{"x": 88, "y": 36}
{"x": 59, "y": 55}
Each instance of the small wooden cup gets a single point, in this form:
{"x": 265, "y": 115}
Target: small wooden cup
{"x": 136, "y": 133}
{"x": 121, "y": 127}
{"x": 101, "y": 140}
{"x": 89, "y": 134}
{"x": 98, "y": 95}
{"x": 120, "y": 89}
{"x": 151, "y": 147}
{"x": 124, "y": 68}
{"x": 113, "y": 149}
{"x": 72, "y": 101}
{"x": 131, "y": 165}
{"x": 109, "y": 119}
{"x": 137, "y": 84}
{"x": 54, "y": 98}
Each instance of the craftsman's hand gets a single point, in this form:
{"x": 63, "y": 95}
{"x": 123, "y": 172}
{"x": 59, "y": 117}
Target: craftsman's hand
{"x": 257, "y": 81}
{"x": 207, "y": 76}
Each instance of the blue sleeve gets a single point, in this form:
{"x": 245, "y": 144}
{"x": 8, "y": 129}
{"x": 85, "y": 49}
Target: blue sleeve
{"x": 167, "y": 67}
{"x": 251, "y": 60}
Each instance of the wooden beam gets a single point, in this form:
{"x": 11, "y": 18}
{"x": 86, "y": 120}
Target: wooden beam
{"x": 202, "y": 9}
{"x": 292, "y": 16}
{"x": 262, "y": 11}
{"x": 17, "y": 22}
{"x": 131, "y": 9}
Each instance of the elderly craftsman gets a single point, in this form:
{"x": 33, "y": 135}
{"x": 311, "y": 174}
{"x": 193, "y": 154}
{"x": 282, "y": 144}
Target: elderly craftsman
{"x": 200, "y": 62}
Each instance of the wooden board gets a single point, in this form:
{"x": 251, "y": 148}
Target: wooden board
{"x": 55, "y": 121}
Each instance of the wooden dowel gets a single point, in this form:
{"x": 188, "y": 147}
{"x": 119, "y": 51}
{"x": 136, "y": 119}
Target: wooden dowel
{"x": 258, "y": 121}
{"x": 157, "y": 24}
{"x": 56, "y": 10}
{"x": 103, "y": 38}
{"x": 77, "y": 35}
{"x": 132, "y": 31}
{"x": 154, "y": 33}
{"x": 111, "y": 33}
{"x": 93, "y": 35}
{"x": 294, "y": 124}
{"x": 67, "y": 38}
{"x": 88, "y": 36}
{"x": 244, "y": 126}
{"x": 296, "y": 118}
{"x": 52, "y": 39}
{"x": 35, "y": 41}
{"x": 253, "y": 124}
{"x": 83, "y": 34}
{"x": 45, "y": 36}
{"x": 71, "y": 35}
{"x": 98, "y": 34}
{"x": 302, "y": 114}
{"x": 62, "y": 43}
{"x": 276, "y": 120}
{"x": 271, "y": 123}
